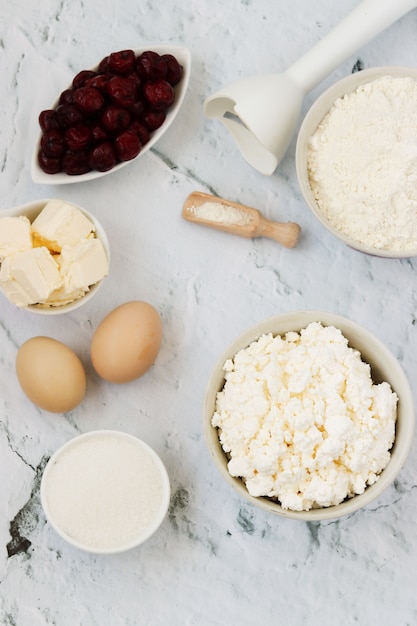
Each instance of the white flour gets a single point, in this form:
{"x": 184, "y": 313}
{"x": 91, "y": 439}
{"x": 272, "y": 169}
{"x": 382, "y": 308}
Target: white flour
{"x": 221, "y": 213}
{"x": 362, "y": 164}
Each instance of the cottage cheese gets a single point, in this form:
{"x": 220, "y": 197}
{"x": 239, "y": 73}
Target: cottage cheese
{"x": 302, "y": 421}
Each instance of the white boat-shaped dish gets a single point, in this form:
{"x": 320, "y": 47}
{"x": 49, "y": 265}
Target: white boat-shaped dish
{"x": 183, "y": 56}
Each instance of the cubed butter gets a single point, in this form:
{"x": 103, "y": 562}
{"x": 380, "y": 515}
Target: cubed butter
{"x": 61, "y": 296}
{"x": 83, "y": 265}
{"x": 60, "y": 224}
{"x": 33, "y": 272}
{"x": 11, "y": 287}
{"x": 15, "y": 235}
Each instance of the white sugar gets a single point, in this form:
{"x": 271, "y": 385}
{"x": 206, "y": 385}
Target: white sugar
{"x": 104, "y": 492}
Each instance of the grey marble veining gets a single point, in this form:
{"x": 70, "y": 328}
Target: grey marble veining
{"x": 215, "y": 560}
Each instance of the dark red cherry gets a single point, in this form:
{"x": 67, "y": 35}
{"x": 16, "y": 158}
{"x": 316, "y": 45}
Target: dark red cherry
{"x": 122, "y": 91}
{"x": 80, "y": 78}
{"x": 98, "y": 133}
{"x": 52, "y": 143}
{"x": 151, "y": 66}
{"x": 175, "y": 69}
{"x": 75, "y": 163}
{"x": 103, "y": 66}
{"x": 49, "y": 165}
{"x": 68, "y": 115}
{"x": 78, "y": 137}
{"x": 154, "y": 119}
{"x": 137, "y": 108}
{"x": 66, "y": 97}
{"x": 122, "y": 62}
{"x": 98, "y": 82}
{"x": 141, "y": 130}
{"x": 159, "y": 94}
{"x": 114, "y": 118}
{"x": 88, "y": 99}
{"x": 127, "y": 145}
{"x": 103, "y": 157}
{"x": 48, "y": 120}
{"x": 133, "y": 76}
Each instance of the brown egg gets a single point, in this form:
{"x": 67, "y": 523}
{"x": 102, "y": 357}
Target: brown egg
{"x": 50, "y": 374}
{"x": 126, "y": 342}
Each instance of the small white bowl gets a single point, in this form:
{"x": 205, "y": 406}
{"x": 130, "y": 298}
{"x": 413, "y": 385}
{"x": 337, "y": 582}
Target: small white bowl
{"x": 183, "y": 56}
{"x": 31, "y": 210}
{"x": 105, "y": 492}
{"x": 310, "y": 123}
{"x": 384, "y": 367}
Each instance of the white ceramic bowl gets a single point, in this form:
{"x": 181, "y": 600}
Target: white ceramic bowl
{"x": 310, "y": 123}
{"x": 31, "y": 210}
{"x": 183, "y": 56}
{"x": 384, "y": 367}
{"x": 105, "y": 492}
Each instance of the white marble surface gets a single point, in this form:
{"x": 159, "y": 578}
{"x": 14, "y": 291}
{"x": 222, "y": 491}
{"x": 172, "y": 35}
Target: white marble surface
{"x": 215, "y": 560}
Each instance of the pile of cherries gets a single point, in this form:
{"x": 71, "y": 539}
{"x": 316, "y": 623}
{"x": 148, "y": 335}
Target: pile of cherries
{"x": 107, "y": 115}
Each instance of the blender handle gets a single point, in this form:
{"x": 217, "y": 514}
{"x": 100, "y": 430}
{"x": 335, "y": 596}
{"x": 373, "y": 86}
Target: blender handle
{"x": 366, "y": 21}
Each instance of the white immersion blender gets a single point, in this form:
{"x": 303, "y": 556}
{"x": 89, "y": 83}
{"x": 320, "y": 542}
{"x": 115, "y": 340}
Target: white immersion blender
{"x": 261, "y": 112}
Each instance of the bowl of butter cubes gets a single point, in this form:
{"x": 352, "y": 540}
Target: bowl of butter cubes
{"x": 308, "y": 415}
{"x": 54, "y": 256}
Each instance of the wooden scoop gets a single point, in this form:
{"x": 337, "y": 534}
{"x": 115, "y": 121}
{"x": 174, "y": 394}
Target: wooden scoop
{"x": 237, "y": 219}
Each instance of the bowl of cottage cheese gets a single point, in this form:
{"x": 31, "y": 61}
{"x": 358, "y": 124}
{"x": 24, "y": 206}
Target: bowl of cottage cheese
{"x": 308, "y": 415}
{"x": 356, "y": 160}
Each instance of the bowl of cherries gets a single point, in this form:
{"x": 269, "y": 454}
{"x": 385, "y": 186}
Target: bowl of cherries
{"x": 111, "y": 114}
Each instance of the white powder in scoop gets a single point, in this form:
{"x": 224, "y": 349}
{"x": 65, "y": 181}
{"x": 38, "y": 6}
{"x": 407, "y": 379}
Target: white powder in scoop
{"x": 221, "y": 213}
{"x": 362, "y": 164}
{"x": 104, "y": 492}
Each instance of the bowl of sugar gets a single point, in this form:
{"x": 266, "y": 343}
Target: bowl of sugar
{"x": 105, "y": 492}
{"x": 308, "y": 415}
{"x": 356, "y": 160}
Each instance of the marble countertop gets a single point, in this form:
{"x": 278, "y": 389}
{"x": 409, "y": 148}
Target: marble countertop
{"x": 216, "y": 559}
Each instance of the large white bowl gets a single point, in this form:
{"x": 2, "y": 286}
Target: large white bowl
{"x": 384, "y": 367}
{"x": 100, "y": 487}
{"x": 310, "y": 123}
{"x": 183, "y": 56}
{"x": 31, "y": 210}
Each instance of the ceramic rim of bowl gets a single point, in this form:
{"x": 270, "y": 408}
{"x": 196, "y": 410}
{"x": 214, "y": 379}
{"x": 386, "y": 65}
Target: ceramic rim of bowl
{"x": 311, "y": 121}
{"x": 381, "y": 360}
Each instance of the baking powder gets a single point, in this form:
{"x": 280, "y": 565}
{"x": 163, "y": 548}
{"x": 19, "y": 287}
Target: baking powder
{"x": 362, "y": 164}
{"x": 221, "y": 213}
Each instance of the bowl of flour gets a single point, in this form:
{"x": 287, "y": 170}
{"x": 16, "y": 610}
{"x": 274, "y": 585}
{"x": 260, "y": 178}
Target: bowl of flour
{"x": 105, "y": 492}
{"x": 308, "y": 415}
{"x": 356, "y": 160}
